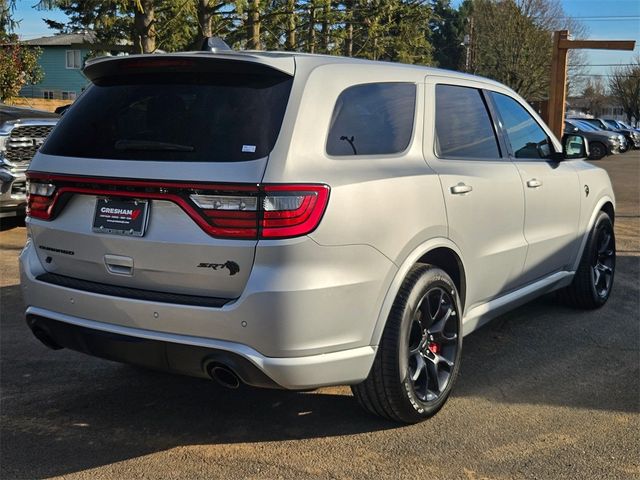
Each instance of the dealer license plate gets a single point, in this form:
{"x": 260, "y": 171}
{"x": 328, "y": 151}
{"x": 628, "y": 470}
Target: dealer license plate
{"x": 121, "y": 216}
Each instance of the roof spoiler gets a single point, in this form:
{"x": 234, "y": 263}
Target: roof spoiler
{"x": 215, "y": 45}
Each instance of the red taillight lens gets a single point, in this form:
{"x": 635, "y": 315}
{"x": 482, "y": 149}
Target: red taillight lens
{"x": 276, "y": 211}
{"x": 292, "y": 210}
{"x": 40, "y": 199}
{"x": 229, "y": 214}
{"x": 242, "y": 211}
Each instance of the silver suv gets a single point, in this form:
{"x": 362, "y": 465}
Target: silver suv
{"x": 22, "y": 131}
{"x": 294, "y": 221}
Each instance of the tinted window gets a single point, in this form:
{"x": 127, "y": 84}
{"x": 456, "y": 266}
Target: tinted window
{"x": 586, "y": 126}
{"x": 181, "y": 117}
{"x": 527, "y": 138}
{"x": 372, "y": 119}
{"x": 463, "y": 125}
{"x": 596, "y": 123}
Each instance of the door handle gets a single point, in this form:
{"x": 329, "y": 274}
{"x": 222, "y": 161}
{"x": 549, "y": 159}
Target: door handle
{"x": 534, "y": 183}
{"x": 119, "y": 265}
{"x": 461, "y": 189}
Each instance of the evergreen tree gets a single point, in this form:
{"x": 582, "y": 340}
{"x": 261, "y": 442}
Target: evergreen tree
{"x": 18, "y": 63}
{"x": 447, "y": 35}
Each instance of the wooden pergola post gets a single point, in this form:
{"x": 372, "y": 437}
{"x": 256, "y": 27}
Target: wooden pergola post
{"x": 558, "y": 80}
{"x": 557, "y": 84}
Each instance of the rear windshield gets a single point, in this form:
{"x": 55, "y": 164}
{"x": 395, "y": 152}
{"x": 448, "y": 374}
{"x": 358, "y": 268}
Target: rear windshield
{"x": 190, "y": 117}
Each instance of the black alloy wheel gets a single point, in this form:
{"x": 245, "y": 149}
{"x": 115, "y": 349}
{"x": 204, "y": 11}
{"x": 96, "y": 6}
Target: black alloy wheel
{"x": 418, "y": 357}
{"x": 433, "y": 345}
{"x": 604, "y": 261}
{"x": 593, "y": 280}
{"x": 597, "y": 151}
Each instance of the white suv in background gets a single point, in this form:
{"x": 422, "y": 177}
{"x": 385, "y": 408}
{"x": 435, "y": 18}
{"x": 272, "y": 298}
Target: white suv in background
{"x": 294, "y": 221}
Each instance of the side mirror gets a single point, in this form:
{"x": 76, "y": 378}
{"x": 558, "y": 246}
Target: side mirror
{"x": 574, "y": 146}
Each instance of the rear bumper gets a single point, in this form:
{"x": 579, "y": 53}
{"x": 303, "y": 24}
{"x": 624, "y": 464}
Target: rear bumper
{"x": 305, "y": 319}
{"x": 192, "y": 355}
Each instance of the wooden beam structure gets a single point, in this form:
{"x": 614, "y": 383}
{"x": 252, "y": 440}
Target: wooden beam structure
{"x": 598, "y": 44}
{"x": 558, "y": 80}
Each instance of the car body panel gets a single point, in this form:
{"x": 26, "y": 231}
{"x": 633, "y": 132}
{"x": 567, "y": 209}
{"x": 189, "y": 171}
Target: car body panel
{"x": 490, "y": 232}
{"x": 551, "y": 217}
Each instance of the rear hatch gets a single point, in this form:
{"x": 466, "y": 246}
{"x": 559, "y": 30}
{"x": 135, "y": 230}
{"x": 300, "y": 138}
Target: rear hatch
{"x": 149, "y": 181}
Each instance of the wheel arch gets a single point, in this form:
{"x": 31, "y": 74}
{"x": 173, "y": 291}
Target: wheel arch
{"x": 440, "y": 252}
{"x": 449, "y": 261}
{"x": 609, "y": 209}
{"x": 605, "y": 204}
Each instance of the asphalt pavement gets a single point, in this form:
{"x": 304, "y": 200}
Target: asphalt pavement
{"x": 545, "y": 392}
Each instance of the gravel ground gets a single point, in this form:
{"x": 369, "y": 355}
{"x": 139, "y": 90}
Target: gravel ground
{"x": 545, "y": 392}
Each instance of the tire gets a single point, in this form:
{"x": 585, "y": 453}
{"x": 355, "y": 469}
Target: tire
{"x": 593, "y": 281}
{"x": 8, "y": 223}
{"x": 624, "y": 149}
{"x": 418, "y": 358}
{"x": 630, "y": 143}
{"x": 597, "y": 150}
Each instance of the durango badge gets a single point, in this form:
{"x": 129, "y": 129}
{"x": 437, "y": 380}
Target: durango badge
{"x": 229, "y": 265}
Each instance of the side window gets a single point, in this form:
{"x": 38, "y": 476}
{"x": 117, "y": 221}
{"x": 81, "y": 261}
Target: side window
{"x": 527, "y": 138}
{"x": 463, "y": 125}
{"x": 372, "y": 119}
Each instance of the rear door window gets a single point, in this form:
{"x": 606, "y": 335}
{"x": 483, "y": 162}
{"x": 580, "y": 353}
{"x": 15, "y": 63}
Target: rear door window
{"x": 203, "y": 117}
{"x": 463, "y": 125}
{"x": 372, "y": 119}
{"x": 527, "y": 138}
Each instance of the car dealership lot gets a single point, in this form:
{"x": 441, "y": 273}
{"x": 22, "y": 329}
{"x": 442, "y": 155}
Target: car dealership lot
{"x": 544, "y": 392}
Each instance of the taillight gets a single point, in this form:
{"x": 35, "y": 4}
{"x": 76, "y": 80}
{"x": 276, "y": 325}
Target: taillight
{"x": 241, "y": 211}
{"x": 292, "y": 210}
{"x": 229, "y": 215}
{"x": 40, "y": 199}
{"x": 277, "y": 211}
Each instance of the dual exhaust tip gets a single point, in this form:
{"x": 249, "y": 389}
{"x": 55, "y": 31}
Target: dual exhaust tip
{"x": 223, "y": 375}
{"x": 218, "y": 372}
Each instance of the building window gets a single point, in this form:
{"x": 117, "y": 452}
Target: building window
{"x": 74, "y": 59}
{"x": 68, "y": 95}
{"x": 47, "y": 94}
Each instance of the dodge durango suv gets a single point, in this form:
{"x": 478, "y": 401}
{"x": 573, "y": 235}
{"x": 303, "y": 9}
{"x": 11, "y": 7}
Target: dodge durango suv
{"x": 295, "y": 221}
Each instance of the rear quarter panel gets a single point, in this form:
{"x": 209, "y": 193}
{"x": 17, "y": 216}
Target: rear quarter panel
{"x": 390, "y": 202}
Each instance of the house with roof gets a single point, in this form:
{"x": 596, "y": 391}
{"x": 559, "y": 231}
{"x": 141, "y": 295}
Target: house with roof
{"x": 62, "y": 59}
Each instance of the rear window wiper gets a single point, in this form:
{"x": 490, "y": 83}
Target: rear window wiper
{"x": 152, "y": 145}
{"x": 350, "y": 140}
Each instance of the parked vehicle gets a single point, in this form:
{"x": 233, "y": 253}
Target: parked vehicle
{"x": 22, "y": 131}
{"x": 624, "y": 146}
{"x": 633, "y": 137}
{"x": 294, "y": 221}
{"x": 620, "y": 125}
{"x": 601, "y": 142}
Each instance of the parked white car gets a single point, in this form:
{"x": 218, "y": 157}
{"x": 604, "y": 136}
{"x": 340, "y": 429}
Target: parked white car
{"x": 295, "y": 221}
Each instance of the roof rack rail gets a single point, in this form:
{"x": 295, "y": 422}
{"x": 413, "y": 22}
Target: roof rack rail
{"x": 214, "y": 44}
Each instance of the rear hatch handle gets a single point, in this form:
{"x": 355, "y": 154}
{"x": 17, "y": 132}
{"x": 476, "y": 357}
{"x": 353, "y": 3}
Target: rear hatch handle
{"x": 119, "y": 265}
